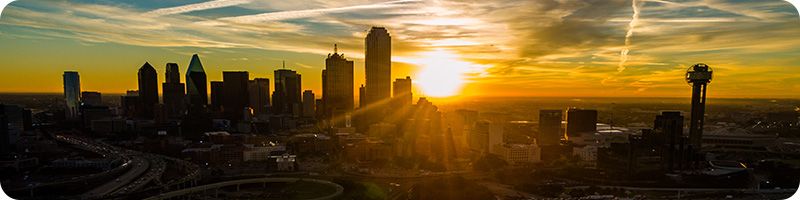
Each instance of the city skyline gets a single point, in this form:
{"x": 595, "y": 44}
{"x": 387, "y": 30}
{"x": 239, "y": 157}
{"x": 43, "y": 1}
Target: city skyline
{"x": 473, "y": 52}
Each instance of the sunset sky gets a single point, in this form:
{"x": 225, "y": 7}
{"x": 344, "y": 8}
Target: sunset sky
{"x": 466, "y": 48}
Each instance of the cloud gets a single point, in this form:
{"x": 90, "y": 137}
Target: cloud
{"x": 297, "y": 14}
{"x": 196, "y": 7}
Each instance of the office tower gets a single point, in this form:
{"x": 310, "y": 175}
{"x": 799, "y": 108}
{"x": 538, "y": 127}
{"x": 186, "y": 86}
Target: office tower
{"x": 13, "y": 126}
{"x": 258, "y": 90}
{"x": 318, "y": 106}
{"x": 5, "y": 140}
{"x": 378, "y": 65}
{"x": 669, "y": 127}
{"x": 549, "y": 127}
{"x": 72, "y": 92}
{"x": 362, "y": 96}
{"x": 173, "y": 92}
{"x": 216, "y": 95}
{"x": 286, "y": 97}
{"x": 401, "y": 89}
{"x": 338, "y": 86}
{"x": 91, "y": 98}
{"x": 699, "y": 75}
{"x": 235, "y": 96}
{"x": 196, "y": 88}
{"x": 309, "y": 102}
{"x": 130, "y": 103}
{"x": 148, "y": 90}
{"x": 580, "y": 121}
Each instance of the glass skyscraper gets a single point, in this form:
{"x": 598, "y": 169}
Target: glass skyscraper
{"x": 72, "y": 93}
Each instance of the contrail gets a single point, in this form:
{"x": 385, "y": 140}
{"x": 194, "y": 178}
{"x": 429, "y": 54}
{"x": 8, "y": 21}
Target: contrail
{"x": 296, "y": 14}
{"x": 637, "y": 5}
{"x": 195, "y": 7}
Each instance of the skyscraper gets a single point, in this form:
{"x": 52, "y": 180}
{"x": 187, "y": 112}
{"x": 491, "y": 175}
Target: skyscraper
{"x": 196, "y": 88}
{"x": 549, "y": 127}
{"x": 216, "y": 95}
{"x": 235, "y": 94}
{"x": 338, "y": 86}
{"x": 699, "y": 75}
{"x": 286, "y": 98}
{"x": 72, "y": 93}
{"x": 148, "y": 90}
{"x": 402, "y": 91}
{"x": 258, "y": 90}
{"x": 173, "y": 92}
{"x": 580, "y": 121}
{"x": 669, "y": 126}
{"x": 378, "y": 65}
{"x": 362, "y": 96}
{"x": 309, "y": 102}
{"x": 91, "y": 98}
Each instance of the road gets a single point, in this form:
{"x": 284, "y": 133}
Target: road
{"x": 139, "y": 166}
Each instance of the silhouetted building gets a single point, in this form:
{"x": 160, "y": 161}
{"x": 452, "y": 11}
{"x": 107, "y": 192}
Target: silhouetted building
{"x": 148, "y": 90}
{"x": 259, "y": 95}
{"x": 5, "y": 137}
{"x": 13, "y": 126}
{"x": 338, "y": 86}
{"x": 699, "y": 75}
{"x": 196, "y": 88}
{"x": 580, "y": 121}
{"x": 72, "y": 92}
{"x": 669, "y": 127}
{"x": 402, "y": 91}
{"x": 309, "y": 104}
{"x": 216, "y": 95}
{"x": 130, "y": 103}
{"x": 378, "y": 65}
{"x": 173, "y": 92}
{"x": 362, "y": 96}
{"x": 235, "y": 94}
{"x": 549, "y": 127}
{"x": 286, "y": 97}
{"x": 91, "y": 98}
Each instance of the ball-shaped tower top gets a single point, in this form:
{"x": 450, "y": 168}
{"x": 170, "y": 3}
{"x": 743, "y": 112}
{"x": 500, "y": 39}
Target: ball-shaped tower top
{"x": 698, "y": 73}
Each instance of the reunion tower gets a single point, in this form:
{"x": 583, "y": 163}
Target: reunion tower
{"x": 698, "y": 76}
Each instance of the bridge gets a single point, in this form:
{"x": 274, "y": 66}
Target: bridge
{"x": 179, "y": 194}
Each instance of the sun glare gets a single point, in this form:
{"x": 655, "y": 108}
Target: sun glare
{"x": 441, "y": 73}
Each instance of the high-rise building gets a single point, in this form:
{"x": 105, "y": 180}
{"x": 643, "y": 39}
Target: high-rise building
{"x": 216, "y": 95}
{"x": 402, "y": 91}
{"x": 5, "y": 140}
{"x": 699, "y": 75}
{"x": 286, "y": 97}
{"x": 338, "y": 86}
{"x": 130, "y": 103}
{"x": 196, "y": 88}
{"x": 549, "y": 127}
{"x": 259, "y": 95}
{"x": 72, "y": 94}
{"x": 91, "y": 98}
{"x": 235, "y": 94}
{"x": 669, "y": 127}
{"x": 309, "y": 101}
{"x": 378, "y": 65}
{"x": 580, "y": 121}
{"x": 14, "y": 124}
{"x": 148, "y": 90}
{"x": 173, "y": 92}
{"x": 362, "y": 96}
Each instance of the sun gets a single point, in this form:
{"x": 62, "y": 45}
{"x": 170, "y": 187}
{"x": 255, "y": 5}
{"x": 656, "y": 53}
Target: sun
{"x": 441, "y": 74}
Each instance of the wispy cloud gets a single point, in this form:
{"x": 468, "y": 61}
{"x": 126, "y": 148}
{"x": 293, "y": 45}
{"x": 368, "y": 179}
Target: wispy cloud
{"x": 196, "y": 7}
{"x": 297, "y": 14}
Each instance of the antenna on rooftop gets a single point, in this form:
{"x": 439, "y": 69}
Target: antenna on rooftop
{"x": 335, "y": 49}
{"x": 284, "y": 64}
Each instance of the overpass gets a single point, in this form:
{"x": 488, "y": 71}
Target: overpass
{"x": 237, "y": 183}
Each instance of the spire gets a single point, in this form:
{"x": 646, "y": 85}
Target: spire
{"x": 284, "y": 64}
{"x": 335, "y": 49}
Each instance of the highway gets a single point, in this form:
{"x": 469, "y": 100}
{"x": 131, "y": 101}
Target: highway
{"x": 139, "y": 166}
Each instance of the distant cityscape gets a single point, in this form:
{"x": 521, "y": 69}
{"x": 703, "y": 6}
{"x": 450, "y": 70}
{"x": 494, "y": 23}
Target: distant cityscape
{"x": 238, "y": 139}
